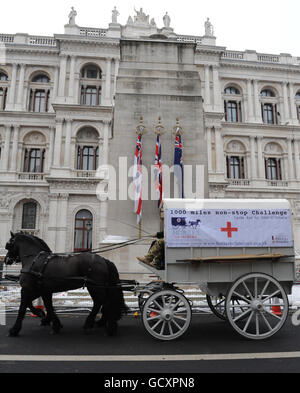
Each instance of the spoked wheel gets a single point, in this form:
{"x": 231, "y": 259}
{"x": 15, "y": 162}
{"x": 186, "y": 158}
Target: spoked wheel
{"x": 264, "y": 308}
{"x": 167, "y": 315}
{"x": 217, "y": 304}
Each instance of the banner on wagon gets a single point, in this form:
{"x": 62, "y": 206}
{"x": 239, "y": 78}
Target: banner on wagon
{"x": 228, "y": 228}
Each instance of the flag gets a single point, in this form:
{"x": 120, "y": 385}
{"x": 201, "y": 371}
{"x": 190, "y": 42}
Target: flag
{"x": 137, "y": 178}
{"x": 158, "y": 176}
{"x": 178, "y": 164}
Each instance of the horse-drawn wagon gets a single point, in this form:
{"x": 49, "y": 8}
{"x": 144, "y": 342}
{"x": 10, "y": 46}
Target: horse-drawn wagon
{"x": 241, "y": 254}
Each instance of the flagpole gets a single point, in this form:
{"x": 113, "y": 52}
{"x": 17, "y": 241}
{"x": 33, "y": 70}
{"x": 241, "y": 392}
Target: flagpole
{"x": 140, "y": 229}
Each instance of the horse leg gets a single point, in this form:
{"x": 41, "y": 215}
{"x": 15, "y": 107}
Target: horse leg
{"x": 26, "y": 300}
{"x": 51, "y": 315}
{"x": 89, "y": 323}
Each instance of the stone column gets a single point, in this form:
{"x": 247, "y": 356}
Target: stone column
{"x": 21, "y": 88}
{"x": 57, "y": 143}
{"x": 117, "y": 64}
{"x": 217, "y": 90}
{"x": 285, "y": 104}
{"x": 250, "y": 111}
{"x": 106, "y": 126}
{"x": 291, "y": 173}
{"x": 207, "y": 101}
{"x": 62, "y": 215}
{"x": 257, "y": 106}
{"x": 72, "y": 78}
{"x": 12, "y": 89}
{"x": 219, "y": 150}
{"x": 51, "y": 147}
{"x": 62, "y": 75}
{"x": 253, "y": 157}
{"x": 14, "y": 155}
{"x": 209, "y": 152}
{"x": 52, "y": 228}
{"x": 5, "y": 158}
{"x": 297, "y": 158}
{"x": 108, "y": 80}
{"x": 68, "y": 144}
{"x": 55, "y": 83}
{"x": 294, "y": 116}
{"x": 260, "y": 159}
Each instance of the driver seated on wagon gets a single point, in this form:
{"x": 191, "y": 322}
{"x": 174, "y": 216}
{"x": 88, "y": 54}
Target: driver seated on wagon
{"x": 156, "y": 254}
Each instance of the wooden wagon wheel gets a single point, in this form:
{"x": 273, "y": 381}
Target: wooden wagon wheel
{"x": 265, "y": 306}
{"x": 166, "y": 315}
{"x": 217, "y": 304}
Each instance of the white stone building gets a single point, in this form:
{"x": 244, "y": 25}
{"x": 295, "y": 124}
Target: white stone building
{"x": 61, "y": 112}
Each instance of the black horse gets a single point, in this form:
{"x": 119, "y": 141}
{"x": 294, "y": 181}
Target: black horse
{"x": 44, "y": 273}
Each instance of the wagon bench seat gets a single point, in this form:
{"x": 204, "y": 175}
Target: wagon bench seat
{"x": 234, "y": 258}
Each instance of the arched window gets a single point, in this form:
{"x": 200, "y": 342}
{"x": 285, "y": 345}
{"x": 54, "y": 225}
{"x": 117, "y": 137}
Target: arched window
{"x": 29, "y": 215}
{"x": 83, "y": 231}
{"x": 87, "y": 149}
{"x": 231, "y": 90}
{"x": 232, "y": 105}
{"x": 270, "y": 114}
{"x": 273, "y": 161}
{"x": 41, "y": 79}
{"x": 235, "y": 160}
{"x": 39, "y": 94}
{"x": 34, "y": 153}
{"x": 267, "y": 93}
{"x": 3, "y": 90}
{"x": 91, "y": 85}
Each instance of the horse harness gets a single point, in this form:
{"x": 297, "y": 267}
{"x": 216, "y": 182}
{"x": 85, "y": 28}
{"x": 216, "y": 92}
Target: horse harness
{"x": 41, "y": 262}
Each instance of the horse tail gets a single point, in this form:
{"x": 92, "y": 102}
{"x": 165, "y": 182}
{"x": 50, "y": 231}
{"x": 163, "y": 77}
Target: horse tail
{"x": 116, "y": 302}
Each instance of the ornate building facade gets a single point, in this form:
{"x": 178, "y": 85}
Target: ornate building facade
{"x": 64, "y": 100}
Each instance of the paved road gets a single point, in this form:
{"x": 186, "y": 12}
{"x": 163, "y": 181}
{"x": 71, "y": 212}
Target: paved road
{"x": 210, "y": 345}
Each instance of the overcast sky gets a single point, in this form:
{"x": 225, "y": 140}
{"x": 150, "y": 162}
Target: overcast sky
{"x": 270, "y": 26}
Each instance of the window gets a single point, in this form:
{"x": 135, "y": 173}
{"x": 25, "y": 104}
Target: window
{"x": 267, "y": 93}
{"x": 29, "y": 215}
{"x": 3, "y": 77}
{"x": 41, "y": 79}
{"x": 91, "y": 82}
{"x": 232, "y": 105}
{"x": 90, "y": 96}
{"x": 231, "y": 90}
{"x": 87, "y": 158}
{"x": 233, "y": 111}
{"x": 91, "y": 72}
{"x": 39, "y": 94}
{"x": 269, "y": 113}
{"x": 235, "y": 167}
{"x": 39, "y": 101}
{"x": 83, "y": 231}
{"x": 3, "y": 90}
{"x": 273, "y": 169}
{"x": 34, "y": 160}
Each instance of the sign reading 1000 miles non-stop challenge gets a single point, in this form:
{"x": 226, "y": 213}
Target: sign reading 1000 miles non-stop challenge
{"x": 228, "y": 228}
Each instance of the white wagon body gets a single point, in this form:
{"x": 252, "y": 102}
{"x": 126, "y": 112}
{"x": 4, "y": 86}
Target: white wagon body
{"x": 240, "y": 253}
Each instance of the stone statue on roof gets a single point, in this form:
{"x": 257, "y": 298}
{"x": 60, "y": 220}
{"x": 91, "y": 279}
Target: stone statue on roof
{"x": 141, "y": 16}
{"x": 72, "y": 17}
{"x": 167, "y": 20}
{"x": 209, "y": 29}
{"x": 115, "y": 14}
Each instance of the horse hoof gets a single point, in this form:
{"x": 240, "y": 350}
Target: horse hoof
{"x": 54, "y": 332}
{"x": 13, "y": 333}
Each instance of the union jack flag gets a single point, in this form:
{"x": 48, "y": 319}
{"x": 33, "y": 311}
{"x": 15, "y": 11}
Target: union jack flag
{"x": 137, "y": 178}
{"x": 158, "y": 175}
{"x": 178, "y": 164}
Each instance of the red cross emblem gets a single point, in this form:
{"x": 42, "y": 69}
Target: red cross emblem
{"x": 229, "y": 230}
